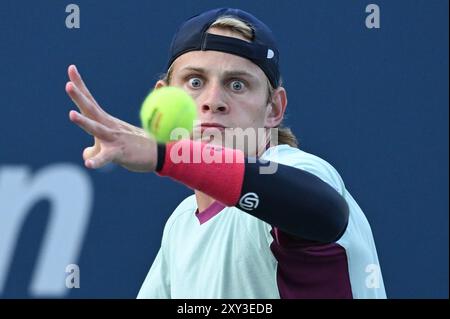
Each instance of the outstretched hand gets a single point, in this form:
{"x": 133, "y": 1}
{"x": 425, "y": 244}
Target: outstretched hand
{"x": 114, "y": 140}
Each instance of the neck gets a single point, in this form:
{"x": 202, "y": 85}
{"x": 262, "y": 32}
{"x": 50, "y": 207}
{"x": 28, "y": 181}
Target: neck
{"x": 203, "y": 201}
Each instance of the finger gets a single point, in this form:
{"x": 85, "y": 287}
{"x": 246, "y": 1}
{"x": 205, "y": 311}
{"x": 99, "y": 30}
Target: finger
{"x": 100, "y": 160}
{"x": 91, "y": 151}
{"x": 76, "y": 78}
{"x": 85, "y": 105}
{"x": 92, "y": 127}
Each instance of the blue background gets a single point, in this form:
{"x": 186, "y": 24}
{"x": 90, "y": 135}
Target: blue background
{"x": 372, "y": 102}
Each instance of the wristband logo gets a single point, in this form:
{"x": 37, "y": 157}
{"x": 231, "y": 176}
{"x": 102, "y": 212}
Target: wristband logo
{"x": 249, "y": 201}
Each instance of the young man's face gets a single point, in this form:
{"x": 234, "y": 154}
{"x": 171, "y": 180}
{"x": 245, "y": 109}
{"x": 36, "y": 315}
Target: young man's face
{"x": 230, "y": 92}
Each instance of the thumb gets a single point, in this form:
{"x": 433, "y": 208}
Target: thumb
{"x": 92, "y": 150}
{"x": 99, "y": 160}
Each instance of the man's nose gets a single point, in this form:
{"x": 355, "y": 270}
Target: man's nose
{"x": 214, "y": 100}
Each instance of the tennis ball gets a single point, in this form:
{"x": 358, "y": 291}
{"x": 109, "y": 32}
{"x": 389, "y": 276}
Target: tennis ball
{"x": 166, "y": 109}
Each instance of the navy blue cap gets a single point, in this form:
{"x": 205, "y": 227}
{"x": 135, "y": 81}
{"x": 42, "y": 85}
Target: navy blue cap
{"x": 192, "y": 36}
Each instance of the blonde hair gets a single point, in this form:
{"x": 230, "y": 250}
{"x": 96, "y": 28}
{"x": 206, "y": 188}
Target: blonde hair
{"x": 285, "y": 134}
{"x": 234, "y": 25}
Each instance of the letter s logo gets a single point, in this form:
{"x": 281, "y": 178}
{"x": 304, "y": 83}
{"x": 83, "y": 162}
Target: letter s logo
{"x": 249, "y": 201}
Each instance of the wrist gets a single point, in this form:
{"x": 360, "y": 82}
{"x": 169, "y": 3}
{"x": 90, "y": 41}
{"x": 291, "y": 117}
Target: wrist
{"x": 160, "y": 156}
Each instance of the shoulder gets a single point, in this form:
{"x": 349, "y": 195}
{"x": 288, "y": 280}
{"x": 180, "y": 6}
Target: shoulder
{"x": 187, "y": 205}
{"x": 184, "y": 209}
{"x": 294, "y": 157}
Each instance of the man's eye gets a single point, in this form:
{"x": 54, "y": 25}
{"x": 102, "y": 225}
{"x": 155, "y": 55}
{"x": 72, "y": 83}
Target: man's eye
{"x": 195, "y": 82}
{"x": 237, "y": 85}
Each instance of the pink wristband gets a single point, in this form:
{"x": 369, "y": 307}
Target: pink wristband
{"x": 213, "y": 170}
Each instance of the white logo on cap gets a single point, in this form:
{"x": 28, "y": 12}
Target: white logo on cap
{"x": 270, "y": 54}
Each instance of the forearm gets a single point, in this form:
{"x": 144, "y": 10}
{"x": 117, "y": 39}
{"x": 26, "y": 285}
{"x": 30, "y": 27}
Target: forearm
{"x": 291, "y": 199}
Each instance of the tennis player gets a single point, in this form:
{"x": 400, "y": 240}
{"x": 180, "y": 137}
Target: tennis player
{"x": 291, "y": 232}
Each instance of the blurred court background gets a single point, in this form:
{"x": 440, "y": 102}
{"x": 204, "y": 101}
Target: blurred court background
{"x": 373, "y": 102}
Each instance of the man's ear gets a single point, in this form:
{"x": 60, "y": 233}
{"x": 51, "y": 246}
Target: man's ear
{"x": 160, "y": 84}
{"x": 276, "y": 108}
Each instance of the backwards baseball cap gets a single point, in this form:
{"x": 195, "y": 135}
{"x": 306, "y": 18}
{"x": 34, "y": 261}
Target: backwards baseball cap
{"x": 192, "y": 36}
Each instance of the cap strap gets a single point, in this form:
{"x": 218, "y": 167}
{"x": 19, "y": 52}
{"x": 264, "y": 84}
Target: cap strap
{"x": 234, "y": 46}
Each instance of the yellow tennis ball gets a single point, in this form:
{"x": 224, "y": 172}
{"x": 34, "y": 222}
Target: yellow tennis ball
{"x": 166, "y": 109}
